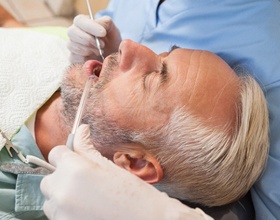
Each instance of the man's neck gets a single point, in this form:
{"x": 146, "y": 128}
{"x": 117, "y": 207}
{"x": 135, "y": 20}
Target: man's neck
{"x": 50, "y": 129}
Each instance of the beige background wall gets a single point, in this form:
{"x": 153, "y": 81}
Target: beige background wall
{"x": 96, "y": 5}
{"x": 49, "y": 12}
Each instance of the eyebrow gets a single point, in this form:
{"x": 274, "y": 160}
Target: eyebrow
{"x": 173, "y": 47}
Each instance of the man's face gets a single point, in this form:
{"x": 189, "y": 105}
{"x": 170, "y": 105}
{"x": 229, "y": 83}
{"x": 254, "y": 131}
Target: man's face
{"x": 138, "y": 89}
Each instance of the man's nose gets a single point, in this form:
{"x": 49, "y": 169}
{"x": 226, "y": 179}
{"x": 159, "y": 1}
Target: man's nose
{"x": 132, "y": 55}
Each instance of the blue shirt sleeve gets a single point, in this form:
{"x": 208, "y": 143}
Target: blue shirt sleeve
{"x": 245, "y": 33}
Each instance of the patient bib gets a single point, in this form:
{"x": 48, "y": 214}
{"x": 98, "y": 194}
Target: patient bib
{"x": 31, "y": 69}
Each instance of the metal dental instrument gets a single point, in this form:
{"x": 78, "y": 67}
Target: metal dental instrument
{"x": 29, "y": 158}
{"x": 9, "y": 145}
{"x": 79, "y": 113}
{"x": 96, "y": 38}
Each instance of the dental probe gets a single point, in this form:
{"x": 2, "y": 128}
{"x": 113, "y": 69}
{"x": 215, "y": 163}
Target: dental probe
{"x": 80, "y": 112}
{"x": 96, "y": 38}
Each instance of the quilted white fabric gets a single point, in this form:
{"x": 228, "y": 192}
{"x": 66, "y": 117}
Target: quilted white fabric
{"x": 31, "y": 68}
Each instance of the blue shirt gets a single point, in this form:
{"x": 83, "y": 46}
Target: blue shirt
{"x": 21, "y": 197}
{"x": 242, "y": 32}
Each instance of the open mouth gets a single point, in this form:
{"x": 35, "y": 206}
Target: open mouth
{"x": 96, "y": 70}
{"x": 92, "y": 67}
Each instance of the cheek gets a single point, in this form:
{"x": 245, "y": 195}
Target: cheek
{"x": 121, "y": 100}
{"x": 133, "y": 111}
{"x": 122, "y": 103}
{"x": 123, "y": 93}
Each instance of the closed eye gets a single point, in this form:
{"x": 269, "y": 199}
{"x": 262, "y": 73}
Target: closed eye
{"x": 164, "y": 72}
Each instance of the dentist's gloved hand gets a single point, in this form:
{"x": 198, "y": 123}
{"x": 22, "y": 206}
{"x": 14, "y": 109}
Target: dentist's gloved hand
{"x": 82, "y": 43}
{"x": 85, "y": 185}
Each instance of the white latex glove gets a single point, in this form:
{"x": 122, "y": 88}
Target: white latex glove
{"x": 86, "y": 185}
{"x": 82, "y": 43}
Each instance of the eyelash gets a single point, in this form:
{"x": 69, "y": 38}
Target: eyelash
{"x": 163, "y": 72}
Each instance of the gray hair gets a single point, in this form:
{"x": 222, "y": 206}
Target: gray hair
{"x": 210, "y": 165}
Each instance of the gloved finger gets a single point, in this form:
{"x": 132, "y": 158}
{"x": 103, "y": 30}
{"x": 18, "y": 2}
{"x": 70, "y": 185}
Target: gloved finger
{"x": 44, "y": 187}
{"x": 82, "y": 137}
{"x": 82, "y": 50}
{"x": 83, "y": 144}
{"x": 77, "y": 35}
{"x": 48, "y": 209}
{"x": 76, "y": 58}
{"x": 57, "y": 153}
{"x": 89, "y": 26}
{"x": 105, "y": 21}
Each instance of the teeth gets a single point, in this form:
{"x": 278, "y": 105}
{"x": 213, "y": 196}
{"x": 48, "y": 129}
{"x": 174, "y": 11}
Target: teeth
{"x": 96, "y": 70}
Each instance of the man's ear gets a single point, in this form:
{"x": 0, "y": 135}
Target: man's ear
{"x": 144, "y": 166}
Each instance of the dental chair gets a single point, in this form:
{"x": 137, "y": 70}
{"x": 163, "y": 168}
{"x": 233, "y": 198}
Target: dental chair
{"x": 242, "y": 209}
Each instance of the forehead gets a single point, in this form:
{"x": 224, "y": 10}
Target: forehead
{"x": 203, "y": 82}
{"x": 185, "y": 57}
{"x": 202, "y": 66}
